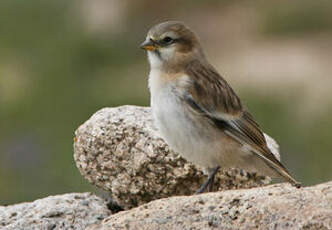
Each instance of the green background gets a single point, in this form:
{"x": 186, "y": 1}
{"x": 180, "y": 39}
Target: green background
{"x": 61, "y": 61}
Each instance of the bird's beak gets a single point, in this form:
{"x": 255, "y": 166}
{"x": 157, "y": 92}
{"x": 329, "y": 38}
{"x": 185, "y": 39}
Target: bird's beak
{"x": 149, "y": 44}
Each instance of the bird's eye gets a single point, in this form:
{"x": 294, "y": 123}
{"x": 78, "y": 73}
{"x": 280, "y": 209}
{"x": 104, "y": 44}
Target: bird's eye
{"x": 167, "y": 40}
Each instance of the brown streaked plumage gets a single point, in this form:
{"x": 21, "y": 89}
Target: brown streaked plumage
{"x": 197, "y": 111}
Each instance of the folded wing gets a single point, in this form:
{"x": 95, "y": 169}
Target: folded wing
{"x": 211, "y": 96}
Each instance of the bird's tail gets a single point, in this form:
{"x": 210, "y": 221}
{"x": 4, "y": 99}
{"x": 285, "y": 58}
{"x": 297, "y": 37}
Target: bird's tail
{"x": 279, "y": 169}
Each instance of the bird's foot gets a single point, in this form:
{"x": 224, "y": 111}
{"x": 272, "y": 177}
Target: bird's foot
{"x": 209, "y": 182}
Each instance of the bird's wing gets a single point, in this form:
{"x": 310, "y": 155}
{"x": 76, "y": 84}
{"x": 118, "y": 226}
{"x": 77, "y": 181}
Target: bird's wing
{"x": 211, "y": 96}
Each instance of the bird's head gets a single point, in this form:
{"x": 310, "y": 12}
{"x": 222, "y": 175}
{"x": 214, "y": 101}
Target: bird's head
{"x": 171, "y": 45}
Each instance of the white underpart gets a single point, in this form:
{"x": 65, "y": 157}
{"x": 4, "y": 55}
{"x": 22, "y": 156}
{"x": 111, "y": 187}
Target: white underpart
{"x": 154, "y": 60}
{"x": 167, "y": 53}
{"x": 177, "y": 126}
{"x": 155, "y": 81}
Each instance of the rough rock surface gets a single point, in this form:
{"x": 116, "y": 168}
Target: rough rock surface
{"x": 279, "y": 206}
{"x": 119, "y": 150}
{"x": 68, "y": 211}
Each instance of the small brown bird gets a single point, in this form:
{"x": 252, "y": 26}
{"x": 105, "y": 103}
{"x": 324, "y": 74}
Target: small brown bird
{"x": 197, "y": 112}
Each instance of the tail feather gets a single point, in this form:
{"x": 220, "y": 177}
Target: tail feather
{"x": 272, "y": 162}
{"x": 280, "y": 169}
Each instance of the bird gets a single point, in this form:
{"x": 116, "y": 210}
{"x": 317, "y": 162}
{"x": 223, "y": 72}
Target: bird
{"x": 198, "y": 113}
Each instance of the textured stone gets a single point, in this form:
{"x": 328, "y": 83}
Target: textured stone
{"x": 68, "y": 211}
{"x": 119, "y": 150}
{"x": 279, "y": 206}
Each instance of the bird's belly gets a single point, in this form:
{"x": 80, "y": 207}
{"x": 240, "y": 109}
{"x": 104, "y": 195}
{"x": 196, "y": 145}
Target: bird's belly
{"x": 191, "y": 136}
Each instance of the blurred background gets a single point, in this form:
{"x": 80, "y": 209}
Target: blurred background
{"x": 61, "y": 61}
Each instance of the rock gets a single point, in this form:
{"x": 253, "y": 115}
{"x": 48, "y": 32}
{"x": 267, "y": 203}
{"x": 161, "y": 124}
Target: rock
{"x": 119, "y": 150}
{"x": 279, "y": 206}
{"x": 68, "y": 211}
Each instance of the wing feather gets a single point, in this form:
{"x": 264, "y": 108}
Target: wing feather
{"x": 211, "y": 96}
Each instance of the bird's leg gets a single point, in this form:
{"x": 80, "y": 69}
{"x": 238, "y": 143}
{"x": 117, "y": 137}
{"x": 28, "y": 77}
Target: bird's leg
{"x": 209, "y": 181}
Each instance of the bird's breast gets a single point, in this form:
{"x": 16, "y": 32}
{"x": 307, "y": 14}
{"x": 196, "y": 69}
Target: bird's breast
{"x": 184, "y": 131}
